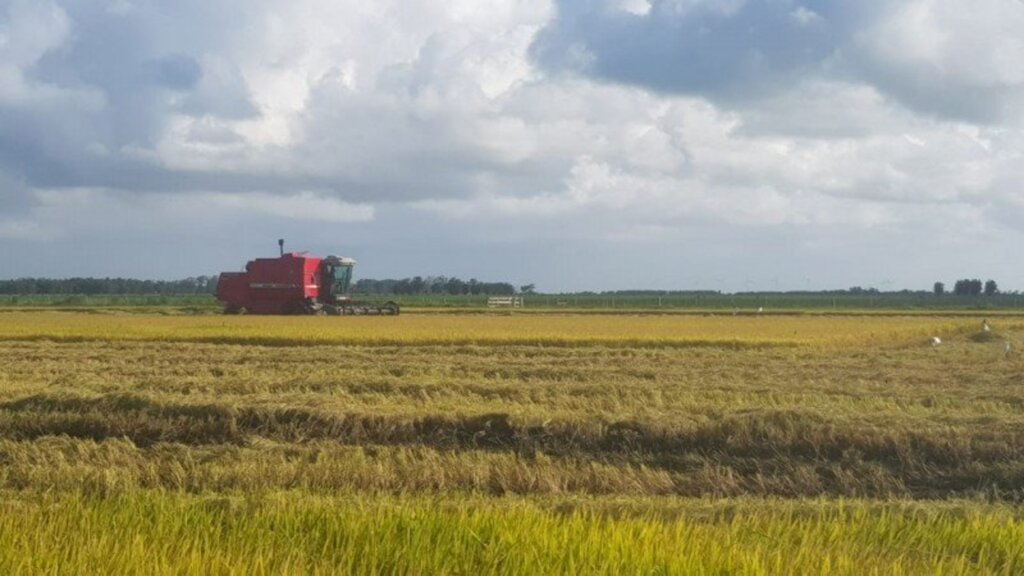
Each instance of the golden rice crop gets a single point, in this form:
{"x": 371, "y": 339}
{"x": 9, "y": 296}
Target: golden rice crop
{"x": 857, "y": 420}
{"x": 509, "y": 444}
{"x": 291, "y": 533}
{"x": 549, "y": 330}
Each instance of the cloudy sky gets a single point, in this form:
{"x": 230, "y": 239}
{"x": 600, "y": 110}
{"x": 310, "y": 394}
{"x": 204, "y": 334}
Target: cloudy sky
{"x": 578, "y": 144}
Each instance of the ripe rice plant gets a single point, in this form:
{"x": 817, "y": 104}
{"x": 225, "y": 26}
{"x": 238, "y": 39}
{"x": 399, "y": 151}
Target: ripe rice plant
{"x": 489, "y": 330}
{"x": 290, "y": 533}
{"x": 509, "y": 444}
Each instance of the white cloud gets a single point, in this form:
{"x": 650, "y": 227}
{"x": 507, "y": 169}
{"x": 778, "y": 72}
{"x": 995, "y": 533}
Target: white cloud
{"x": 23, "y": 230}
{"x": 804, "y": 17}
{"x": 305, "y": 206}
{"x": 90, "y": 212}
{"x": 950, "y": 58}
{"x": 454, "y": 124}
{"x": 637, "y": 7}
{"x": 29, "y": 29}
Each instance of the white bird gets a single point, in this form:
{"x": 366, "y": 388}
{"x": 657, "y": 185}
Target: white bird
{"x": 1007, "y": 348}
{"x": 760, "y": 309}
{"x": 985, "y": 327}
{"x": 936, "y": 341}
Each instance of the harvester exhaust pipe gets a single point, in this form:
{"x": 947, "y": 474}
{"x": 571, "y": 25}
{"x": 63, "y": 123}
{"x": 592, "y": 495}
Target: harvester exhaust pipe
{"x": 280, "y": 245}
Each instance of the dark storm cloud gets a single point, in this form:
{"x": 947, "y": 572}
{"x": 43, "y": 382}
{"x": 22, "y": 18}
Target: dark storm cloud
{"x": 737, "y": 52}
{"x": 136, "y": 59}
{"x": 179, "y": 72}
{"x": 66, "y": 150}
{"x": 14, "y": 196}
{"x": 110, "y": 86}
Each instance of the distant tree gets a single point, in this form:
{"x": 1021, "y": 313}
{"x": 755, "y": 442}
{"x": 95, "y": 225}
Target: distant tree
{"x": 991, "y": 288}
{"x": 528, "y": 288}
{"x": 939, "y": 289}
{"x": 417, "y": 285}
{"x": 455, "y": 286}
{"x": 93, "y": 286}
{"x": 967, "y": 287}
{"x": 436, "y": 284}
{"x": 426, "y": 285}
{"x": 499, "y": 288}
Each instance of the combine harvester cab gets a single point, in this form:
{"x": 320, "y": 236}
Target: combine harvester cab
{"x": 294, "y": 284}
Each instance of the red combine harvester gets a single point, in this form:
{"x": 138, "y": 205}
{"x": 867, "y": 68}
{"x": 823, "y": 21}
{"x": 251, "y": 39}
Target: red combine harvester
{"x": 294, "y": 284}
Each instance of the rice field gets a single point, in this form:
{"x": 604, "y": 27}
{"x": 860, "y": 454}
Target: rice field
{"x": 289, "y": 533}
{"x": 483, "y": 330}
{"x": 515, "y": 444}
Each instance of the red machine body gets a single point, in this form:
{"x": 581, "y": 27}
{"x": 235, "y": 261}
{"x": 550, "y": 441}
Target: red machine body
{"x": 294, "y": 284}
{"x": 272, "y": 285}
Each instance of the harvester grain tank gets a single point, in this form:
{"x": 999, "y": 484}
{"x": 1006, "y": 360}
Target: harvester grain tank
{"x": 294, "y": 283}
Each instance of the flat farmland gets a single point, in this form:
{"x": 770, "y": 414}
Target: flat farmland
{"x": 617, "y": 330}
{"x": 510, "y": 444}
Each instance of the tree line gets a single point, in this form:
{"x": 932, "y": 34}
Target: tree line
{"x": 436, "y": 285}
{"x": 208, "y": 285}
{"x": 968, "y": 287}
{"x": 98, "y": 286}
